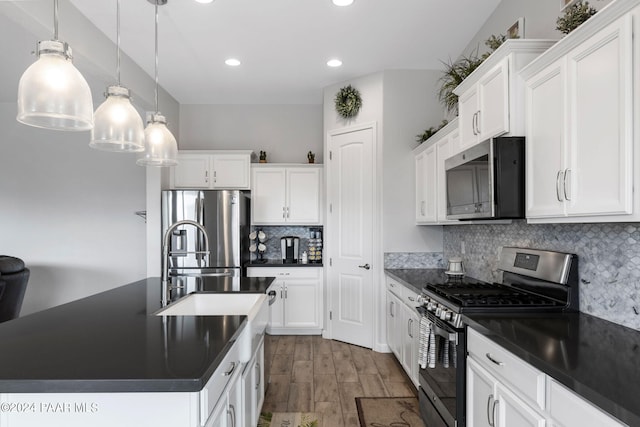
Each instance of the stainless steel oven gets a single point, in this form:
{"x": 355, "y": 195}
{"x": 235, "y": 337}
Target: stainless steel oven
{"x": 533, "y": 281}
{"x": 441, "y": 394}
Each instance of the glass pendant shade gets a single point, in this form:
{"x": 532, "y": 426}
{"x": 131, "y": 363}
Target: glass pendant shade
{"x": 161, "y": 147}
{"x": 117, "y": 125}
{"x": 52, "y": 93}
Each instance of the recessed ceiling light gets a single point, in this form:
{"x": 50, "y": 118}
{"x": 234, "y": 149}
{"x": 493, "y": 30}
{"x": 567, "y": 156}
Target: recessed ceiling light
{"x": 342, "y": 2}
{"x": 232, "y": 62}
{"x": 334, "y": 63}
{"x": 204, "y": 1}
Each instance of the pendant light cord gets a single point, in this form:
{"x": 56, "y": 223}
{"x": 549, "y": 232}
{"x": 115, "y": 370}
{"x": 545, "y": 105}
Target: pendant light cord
{"x": 156, "y": 58}
{"x": 55, "y": 20}
{"x": 117, "y": 40}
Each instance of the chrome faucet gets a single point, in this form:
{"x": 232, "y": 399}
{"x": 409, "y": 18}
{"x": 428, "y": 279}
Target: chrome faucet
{"x": 165, "y": 254}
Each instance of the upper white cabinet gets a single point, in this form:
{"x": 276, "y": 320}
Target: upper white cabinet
{"x": 212, "y": 170}
{"x": 490, "y": 99}
{"x": 581, "y": 124}
{"x": 431, "y": 199}
{"x": 286, "y": 194}
{"x": 426, "y": 162}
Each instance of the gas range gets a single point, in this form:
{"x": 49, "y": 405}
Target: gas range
{"x": 532, "y": 281}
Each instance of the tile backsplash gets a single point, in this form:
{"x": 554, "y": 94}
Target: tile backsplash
{"x": 413, "y": 260}
{"x": 608, "y": 254}
{"x": 274, "y": 233}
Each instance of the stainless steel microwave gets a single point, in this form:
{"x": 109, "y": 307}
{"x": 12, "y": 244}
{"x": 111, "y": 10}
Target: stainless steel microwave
{"x": 486, "y": 181}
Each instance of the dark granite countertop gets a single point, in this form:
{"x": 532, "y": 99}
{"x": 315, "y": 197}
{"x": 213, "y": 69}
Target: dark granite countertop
{"x": 112, "y": 342}
{"x": 279, "y": 263}
{"x": 597, "y": 359}
{"x": 417, "y": 278}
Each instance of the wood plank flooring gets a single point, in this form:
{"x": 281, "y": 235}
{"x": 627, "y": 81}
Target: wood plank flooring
{"x": 312, "y": 374}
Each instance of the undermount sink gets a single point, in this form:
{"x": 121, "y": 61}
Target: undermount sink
{"x": 254, "y": 306}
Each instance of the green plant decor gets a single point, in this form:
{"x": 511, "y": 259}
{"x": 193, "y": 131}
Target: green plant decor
{"x": 574, "y": 16}
{"x": 348, "y": 102}
{"x": 493, "y": 43}
{"x": 454, "y": 73}
{"x": 428, "y": 133}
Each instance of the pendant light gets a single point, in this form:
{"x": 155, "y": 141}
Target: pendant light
{"x": 117, "y": 125}
{"x": 161, "y": 148}
{"x": 52, "y": 93}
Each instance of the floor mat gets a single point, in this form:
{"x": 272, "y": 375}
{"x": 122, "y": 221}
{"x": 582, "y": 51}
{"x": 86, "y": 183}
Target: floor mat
{"x": 289, "y": 419}
{"x": 389, "y": 411}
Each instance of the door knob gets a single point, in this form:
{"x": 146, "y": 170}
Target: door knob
{"x": 366, "y": 266}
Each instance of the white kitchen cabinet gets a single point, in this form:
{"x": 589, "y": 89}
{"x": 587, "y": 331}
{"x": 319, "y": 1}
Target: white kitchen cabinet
{"x": 426, "y": 185}
{"x": 403, "y": 327}
{"x": 286, "y": 194}
{"x": 209, "y": 169}
{"x": 410, "y": 342}
{"x": 503, "y": 390}
{"x": 491, "y": 99}
{"x": 253, "y": 387}
{"x": 297, "y": 308}
{"x": 580, "y": 124}
{"x": 431, "y": 199}
{"x": 567, "y": 409}
{"x": 228, "y": 410}
{"x": 394, "y": 323}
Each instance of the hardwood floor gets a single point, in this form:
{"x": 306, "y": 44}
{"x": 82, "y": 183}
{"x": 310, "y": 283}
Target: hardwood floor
{"x": 311, "y": 374}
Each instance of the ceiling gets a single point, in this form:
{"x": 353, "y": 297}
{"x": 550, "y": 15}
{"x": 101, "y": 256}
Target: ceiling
{"x": 284, "y": 44}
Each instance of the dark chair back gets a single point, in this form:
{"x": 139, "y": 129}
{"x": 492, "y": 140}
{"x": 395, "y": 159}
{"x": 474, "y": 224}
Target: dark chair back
{"x": 13, "y": 285}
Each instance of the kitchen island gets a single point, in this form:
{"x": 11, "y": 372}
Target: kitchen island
{"x": 91, "y": 353}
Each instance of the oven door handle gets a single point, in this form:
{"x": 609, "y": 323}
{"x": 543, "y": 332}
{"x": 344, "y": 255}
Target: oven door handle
{"x": 451, "y": 336}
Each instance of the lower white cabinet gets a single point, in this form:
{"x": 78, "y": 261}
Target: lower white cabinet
{"x": 504, "y": 391}
{"x": 228, "y": 411}
{"x": 403, "y": 327}
{"x": 297, "y": 307}
{"x": 253, "y": 387}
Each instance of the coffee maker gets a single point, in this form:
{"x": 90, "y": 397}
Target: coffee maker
{"x": 290, "y": 246}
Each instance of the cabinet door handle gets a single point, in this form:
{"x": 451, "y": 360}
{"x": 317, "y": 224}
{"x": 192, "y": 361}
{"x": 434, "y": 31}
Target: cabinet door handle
{"x": 391, "y": 309}
{"x": 473, "y": 123}
{"x": 497, "y": 362}
{"x": 422, "y": 207}
{"x": 493, "y": 411}
{"x": 206, "y": 177}
{"x": 478, "y": 122}
{"x": 285, "y": 293}
{"x": 411, "y": 299}
{"x": 566, "y": 178}
{"x": 231, "y": 369}
{"x": 284, "y": 212}
{"x": 288, "y": 213}
{"x": 410, "y": 327}
{"x": 258, "y": 375}
{"x": 558, "y": 186}
{"x": 232, "y": 415}
{"x": 489, "y": 401}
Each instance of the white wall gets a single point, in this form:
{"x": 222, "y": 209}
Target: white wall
{"x": 68, "y": 212}
{"x": 286, "y": 132}
{"x": 410, "y": 106}
{"x": 65, "y": 209}
{"x": 403, "y": 104}
{"x": 539, "y": 20}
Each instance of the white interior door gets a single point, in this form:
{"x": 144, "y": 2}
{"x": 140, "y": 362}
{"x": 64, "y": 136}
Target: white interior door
{"x": 350, "y": 193}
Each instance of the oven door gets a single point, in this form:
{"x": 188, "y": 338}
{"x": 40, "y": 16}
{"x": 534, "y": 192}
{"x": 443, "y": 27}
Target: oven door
{"x": 442, "y": 384}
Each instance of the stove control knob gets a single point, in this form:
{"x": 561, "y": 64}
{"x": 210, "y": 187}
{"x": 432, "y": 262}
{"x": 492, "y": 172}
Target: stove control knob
{"x": 445, "y": 314}
{"x": 431, "y": 306}
{"x": 438, "y": 311}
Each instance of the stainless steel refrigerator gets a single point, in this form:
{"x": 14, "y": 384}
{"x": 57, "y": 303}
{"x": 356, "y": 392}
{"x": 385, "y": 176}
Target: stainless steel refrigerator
{"x": 225, "y": 214}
